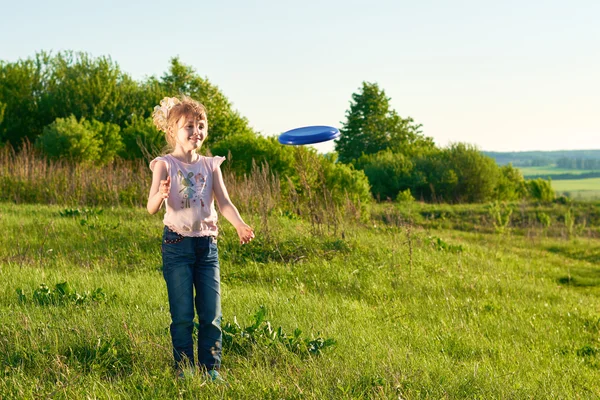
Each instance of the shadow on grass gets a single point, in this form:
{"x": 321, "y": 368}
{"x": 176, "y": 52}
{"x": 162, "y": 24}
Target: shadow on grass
{"x": 581, "y": 277}
{"x": 579, "y": 253}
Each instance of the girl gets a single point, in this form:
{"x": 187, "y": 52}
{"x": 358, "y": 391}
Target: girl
{"x": 187, "y": 183}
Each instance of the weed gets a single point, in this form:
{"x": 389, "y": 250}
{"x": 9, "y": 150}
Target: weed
{"x": 62, "y": 294}
{"x": 261, "y": 332}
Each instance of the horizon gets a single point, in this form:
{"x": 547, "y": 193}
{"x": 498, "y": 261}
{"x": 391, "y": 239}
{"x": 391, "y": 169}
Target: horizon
{"x": 507, "y": 77}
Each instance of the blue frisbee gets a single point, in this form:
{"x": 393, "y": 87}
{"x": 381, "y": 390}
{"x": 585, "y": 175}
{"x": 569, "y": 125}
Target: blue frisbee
{"x": 309, "y": 135}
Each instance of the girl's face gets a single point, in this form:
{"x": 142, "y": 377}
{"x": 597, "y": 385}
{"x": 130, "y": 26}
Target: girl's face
{"x": 190, "y": 133}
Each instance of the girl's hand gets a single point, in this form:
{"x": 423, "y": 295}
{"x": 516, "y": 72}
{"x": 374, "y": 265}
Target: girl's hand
{"x": 245, "y": 233}
{"x": 165, "y": 188}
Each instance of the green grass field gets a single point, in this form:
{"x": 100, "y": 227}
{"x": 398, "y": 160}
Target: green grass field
{"x": 415, "y": 313}
{"x": 549, "y": 170}
{"x": 582, "y": 189}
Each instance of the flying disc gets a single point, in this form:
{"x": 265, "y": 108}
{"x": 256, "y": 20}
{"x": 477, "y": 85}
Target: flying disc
{"x": 309, "y": 135}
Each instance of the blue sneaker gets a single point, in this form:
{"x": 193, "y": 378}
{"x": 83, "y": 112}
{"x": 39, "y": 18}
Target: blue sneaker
{"x": 214, "y": 377}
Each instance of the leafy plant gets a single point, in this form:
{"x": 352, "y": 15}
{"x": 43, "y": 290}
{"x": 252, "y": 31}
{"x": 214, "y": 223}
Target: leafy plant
{"x": 262, "y": 333}
{"x": 501, "y": 215}
{"x": 62, "y": 294}
{"x": 440, "y": 245}
{"x": 80, "y": 212}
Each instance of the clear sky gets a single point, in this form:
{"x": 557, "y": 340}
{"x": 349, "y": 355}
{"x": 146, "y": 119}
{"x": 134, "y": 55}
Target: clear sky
{"x": 503, "y": 75}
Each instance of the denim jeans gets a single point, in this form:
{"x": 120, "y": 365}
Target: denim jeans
{"x": 193, "y": 263}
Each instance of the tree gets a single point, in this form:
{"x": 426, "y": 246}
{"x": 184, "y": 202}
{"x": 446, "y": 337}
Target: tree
{"x": 371, "y": 126}
{"x": 19, "y": 83}
{"x": 37, "y": 91}
{"x": 477, "y": 174}
{"x": 511, "y": 184}
{"x": 223, "y": 120}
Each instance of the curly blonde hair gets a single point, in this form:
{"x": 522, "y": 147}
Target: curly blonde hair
{"x": 171, "y": 110}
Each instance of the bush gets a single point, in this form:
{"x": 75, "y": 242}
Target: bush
{"x": 80, "y": 141}
{"x": 511, "y": 184}
{"x": 388, "y": 173}
{"x": 244, "y": 148}
{"x": 405, "y": 196}
{"x": 345, "y": 182}
{"x": 141, "y": 139}
{"x": 541, "y": 190}
{"x": 477, "y": 173}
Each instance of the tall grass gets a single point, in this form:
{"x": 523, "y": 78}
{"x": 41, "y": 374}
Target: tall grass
{"x": 27, "y": 177}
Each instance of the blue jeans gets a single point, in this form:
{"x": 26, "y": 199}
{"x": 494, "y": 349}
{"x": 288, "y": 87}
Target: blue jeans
{"x": 193, "y": 263}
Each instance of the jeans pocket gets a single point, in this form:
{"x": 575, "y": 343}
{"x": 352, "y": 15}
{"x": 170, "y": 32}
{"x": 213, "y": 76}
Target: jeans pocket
{"x": 171, "y": 237}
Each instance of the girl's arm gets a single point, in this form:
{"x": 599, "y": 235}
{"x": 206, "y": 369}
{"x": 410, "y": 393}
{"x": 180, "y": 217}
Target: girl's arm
{"x": 160, "y": 188}
{"x": 229, "y": 211}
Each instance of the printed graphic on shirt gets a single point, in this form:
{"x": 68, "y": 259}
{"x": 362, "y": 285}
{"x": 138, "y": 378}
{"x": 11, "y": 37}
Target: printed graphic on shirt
{"x": 192, "y": 188}
{"x": 201, "y": 183}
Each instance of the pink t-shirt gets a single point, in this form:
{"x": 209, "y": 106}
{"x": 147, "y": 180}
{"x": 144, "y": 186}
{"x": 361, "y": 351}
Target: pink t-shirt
{"x": 190, "y": 206}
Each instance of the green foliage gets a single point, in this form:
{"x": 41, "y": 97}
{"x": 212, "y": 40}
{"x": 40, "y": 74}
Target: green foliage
{"x": 395, "y": 156}
{"x": 70, "y": 139}
{"x": 440, "y": 245}
{"x": 141, "y": 139}
{"x": 247, "y": 148}
{"x": 262, "y": 333}
{"x": 80, "y": 212}
{"x": 388, "y": 173}
{"x": 20, "y": 86}
{"x": 569, "y": 219}
{"x": 80, "y": 141}
{"x": 540, "y": 189}
{"x": 500, "y": 214}
{"x": 544, "y": 219}
{"x": 62, "y": 294}
{"x": 511, "y": 184}
{"x": 302, "y": 168}
{"x": 372, "y": 126}
{"x": 223, "y": 120}
{"x": 2, "y": 110}
{"x": 37, "y": 91}
{"x": 405, "y": 196}
{"x": 477, "y": 174}
{"x": 345, "y": 183}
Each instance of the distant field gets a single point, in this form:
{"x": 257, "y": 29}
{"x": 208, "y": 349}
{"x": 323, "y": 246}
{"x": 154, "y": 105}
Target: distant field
{"x": 579, "y": 188}
{"x": 530, "y": 171}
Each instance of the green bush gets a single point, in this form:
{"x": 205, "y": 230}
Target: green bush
{"x": 511, "y": 184}
{"x": 141, "y": 139}
{"x": 80, "y": 141}
{"x": 477, "y": 173}
{"x": 345, "y": 182}
{"x": 405, "y": 196}
{"x": 388, "y": 173}
{"x": 244, "y": 148}
{"x": 541, "y": 190}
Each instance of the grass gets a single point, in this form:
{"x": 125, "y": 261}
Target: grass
{"x": 415, "y": 313}
{"x": 549, "y": 170}
{"x": 581, "y": 189}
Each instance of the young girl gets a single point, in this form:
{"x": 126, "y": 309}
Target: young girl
{"x": 187, "y": 183}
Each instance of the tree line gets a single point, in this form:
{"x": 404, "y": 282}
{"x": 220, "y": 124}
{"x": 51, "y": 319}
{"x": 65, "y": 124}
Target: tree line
{"x": 83, "y": 109}
{"x": 400, "y": 162}
{"x": 546, "y": 158}
{"x": 578, "y": 163}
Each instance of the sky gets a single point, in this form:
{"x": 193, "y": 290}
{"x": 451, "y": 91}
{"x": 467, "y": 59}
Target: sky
{"x": 501, "y": 75}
